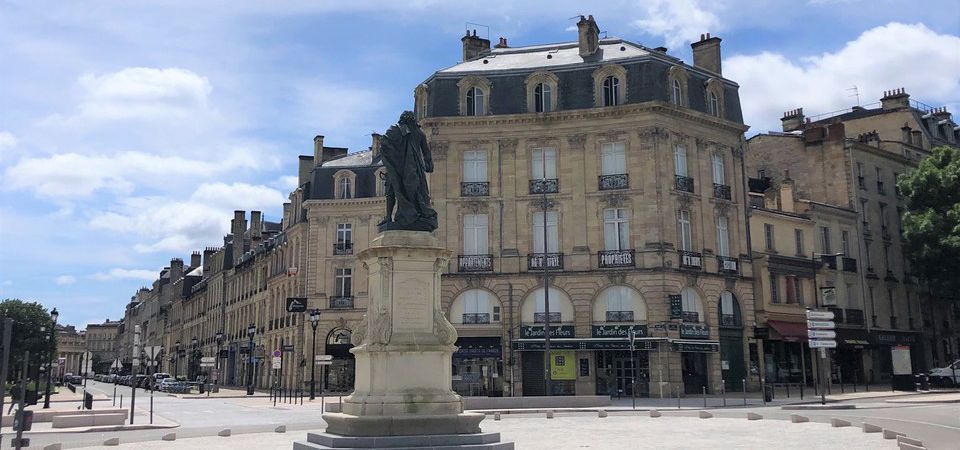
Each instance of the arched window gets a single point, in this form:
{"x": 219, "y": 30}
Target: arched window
{"x": 619, "y": 304}
{"x": 692, "y": 307}
{"x": 677, "y": 97}
{"x": 611, "y": 91}
{"x": 475, "y": 306}
{"x": 534, "y": 307}
{"x": 714, "y": 105}
{"x": 542, "y": 99}
{"x": 475, "y": 102}
{"x": 729, "y": 310}
{"x": 339, "y": 336}
{"x": 344, "y": 188}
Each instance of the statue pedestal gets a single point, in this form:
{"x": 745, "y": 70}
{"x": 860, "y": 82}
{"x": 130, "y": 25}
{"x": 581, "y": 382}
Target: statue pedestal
{"x": 403, "y": 347}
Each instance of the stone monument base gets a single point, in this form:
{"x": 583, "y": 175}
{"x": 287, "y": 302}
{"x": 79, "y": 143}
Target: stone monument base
{"x": 403, "y": 425}
{"x": 480, "y": 441}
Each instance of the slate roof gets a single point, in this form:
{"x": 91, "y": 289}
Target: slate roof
{"x": 548, "y": 56}
{"x": 356, "y": 159}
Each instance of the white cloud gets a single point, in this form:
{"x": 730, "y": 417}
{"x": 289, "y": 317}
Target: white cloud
{"x": 65, "y": 279}
{"x": 143, "y": 93}
{"x": 882, "y": 58}
{"x": 121, "y": 274}
{"x": 8, "y": 282}
{"x": 7, "y": 144}
{"x": 678, "y": 21}
{"x": 286, "y": 183}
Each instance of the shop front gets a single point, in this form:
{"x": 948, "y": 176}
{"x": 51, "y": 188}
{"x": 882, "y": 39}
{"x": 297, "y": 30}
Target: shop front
{"x": 852, "y": 344}
{"x": 695, "y": 349}
{"x": 785, "y": 353}
{"x": 906, "y": 345}
{"x": 617, "y": 371}
{"x": 478, "y": 367}
{"x": 339, "y": 375}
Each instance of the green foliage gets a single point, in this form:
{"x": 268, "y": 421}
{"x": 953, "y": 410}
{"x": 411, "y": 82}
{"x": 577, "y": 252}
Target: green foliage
{"x": 931, "y": 222}
{"x": 31, "y": 331}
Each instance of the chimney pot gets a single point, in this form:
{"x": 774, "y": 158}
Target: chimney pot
{"x": 706, "y": 53}
{"x": 473, "y": 46}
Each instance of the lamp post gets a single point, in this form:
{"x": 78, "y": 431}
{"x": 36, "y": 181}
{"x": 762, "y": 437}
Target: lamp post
{"x": 219, "y": 338}
{"x": 251, "y": 331}
{"x": 816, "y": 300}
{"x": 314, "y": 322}
{"x": 53, "y": 318}
{"x": 193, "y": 356}
{"x": 548, "y": 374}
{"x": 176, "y": 363}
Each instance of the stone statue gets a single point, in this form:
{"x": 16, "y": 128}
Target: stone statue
{"x": 406, "y": 156}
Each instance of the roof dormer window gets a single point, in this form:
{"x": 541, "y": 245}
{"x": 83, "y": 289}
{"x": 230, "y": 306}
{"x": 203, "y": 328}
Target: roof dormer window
{"x": 611, "y": 91}
{"x": 610, "y": 85}
{"x": 474, "y": 96}
{"x": 475, "y": 102}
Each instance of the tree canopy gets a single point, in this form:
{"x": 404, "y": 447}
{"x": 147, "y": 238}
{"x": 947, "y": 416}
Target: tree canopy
{"x": 31, "y": 331}
{"x": 931, "y": 221}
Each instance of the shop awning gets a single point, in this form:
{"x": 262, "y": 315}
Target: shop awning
{"x": 789, "y": 331}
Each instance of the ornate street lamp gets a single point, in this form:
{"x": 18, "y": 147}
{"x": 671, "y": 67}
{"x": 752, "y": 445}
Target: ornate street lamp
{"x": 314, "y": 321}
{"x": 193, "y": 356}
{"x": 176, "y": 364}
{"x": 53, "y": 329}
{"x": 219, "y": 338}
{"x": 251, "y": 331}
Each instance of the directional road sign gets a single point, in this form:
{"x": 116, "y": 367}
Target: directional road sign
{"x": 825, "y": 324}
{"x": 323, "y": 363}
{"x": 820, "y": 315}
{"x": 276, "y": 362}
{"x": 822, "y": 344}
{"x": 821, "y": 334}
{"x": 208, "y": 359}
{"x": 323, "y": 357}
{"x": 296, "y": 304}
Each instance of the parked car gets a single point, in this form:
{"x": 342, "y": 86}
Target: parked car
{"x": 946, "y": 376}
{"x": 159, "y": 376}
{"x": 168, "y": 385}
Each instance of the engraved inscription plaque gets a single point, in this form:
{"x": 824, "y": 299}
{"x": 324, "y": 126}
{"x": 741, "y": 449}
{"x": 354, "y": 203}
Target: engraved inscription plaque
{"x": 413, "y": 304}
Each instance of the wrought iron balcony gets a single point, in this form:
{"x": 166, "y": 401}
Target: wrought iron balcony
{"x": 343, "y": 248}
{"x": 475, "y": 189}
{"x": 619, "y": 316}
{"x": 721, "y": 191}
{"x": 544, "y": 186}
{"x": 475, "y": 263}
{"x": 615, "y": 258}
{"x": 684, "y": 184}
{"x": 691, "y": 317}
{"x": 691, "y": 260}
{"x": 341, "y": 302}
{"x": 541, "y": 261}
{"x": 727, "y": 264}
{"x": 830, "y": 261}
{"x": 616, "y": 181}
{"x": 849, "y": 264}
{"x": 476, "y": 318}
{"x": 541, "y": 317}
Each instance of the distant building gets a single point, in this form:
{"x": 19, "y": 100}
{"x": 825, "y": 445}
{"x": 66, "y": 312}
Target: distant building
{"x": 71, "y": 346}
{"x": 101, "y": 341}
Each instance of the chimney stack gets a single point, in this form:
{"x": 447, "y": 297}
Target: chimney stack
{"x": 786, "y": 193}
{"x": 256, "y": 227}
{"x": 792, "y": 120}
{"x": 195, "y": 260}
{"x": 473, "y": 46}
{"x": 176, "y": 269}
{"x": 207, "y": 256}
{"x": 706, "y": 53}
{"x": 375, "y": 144}
{"x": 317, "y": 150}
{"x": 588, "y": 34}
{"x": 306, "y": 164}
{"x": 502, "y": 43}
{"x": 238, "y": 226}
{"x": 897, "y": 98}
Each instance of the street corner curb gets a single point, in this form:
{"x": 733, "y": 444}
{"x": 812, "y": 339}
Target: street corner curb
{"x": 224, "y": 432}
{"x": 280, "y": 429}
{"x": 169, "y": 437}
{"x": 890, "y": 434}
{"x": 57, "y": 446}
{"x": 797, "y": 418}
{"x": 904, "y": 446}
{"x": 601, "y": 413}
{"x": 496, "y": 415}
{"x": 705, "y": 415}
{"x": 655, "y": 413}
{"x": 871, "y": 428}
{"x": 903, "y": 440}
{"x": 111, "y": 442}
{"x": 549, "y": 414}
{"x": 754, "y": 416}
{"x": 838, "y": 423}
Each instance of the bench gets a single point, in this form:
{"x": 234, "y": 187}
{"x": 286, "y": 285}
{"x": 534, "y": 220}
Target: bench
{"x": 88, "y": 420}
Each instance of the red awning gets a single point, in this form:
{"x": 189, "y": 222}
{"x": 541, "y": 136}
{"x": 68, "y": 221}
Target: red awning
{"x": 789, "y": 331}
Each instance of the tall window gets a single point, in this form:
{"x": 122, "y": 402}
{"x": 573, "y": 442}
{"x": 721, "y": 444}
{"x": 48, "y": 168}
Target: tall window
{"x": 860, "y": 178}
{"x": 346, "y": 187}
{"x": 552, "y": 243}
{"x": 680, "y": 160}
{"x": 619, "y": 298}
{"x": 686, "y": 237}
{"x": 677, "y": 93}
{"x": 692, "y": 308}
{"x": 475, "y": 102}
{"x": 723, "y": 237}
{"x": 883, "y": 216}
{"x": 611, "y": 91}
{"x": 616, "y": 229}
{"x": 474, "y": 166}
{"x": 714, "y": 105}
{"x": 774, "y": 288}
{"x": 344, "y": 233}
{"x": 768, "y": 236}
{"x": 344, "y": 282}
{"x": 541, "y": 97}
{"x": 845, "y": 242}
{"x": 798, "y": 237}
{"x": 476, "y": 301}
{"x": 544, "y": 163}
{"x": 613, "y": 158}
{"x": 825, "y": 240}
{"x": 475, "y": 234}
{"x": 866, "y": 248}
{"x": 718, "y": 172}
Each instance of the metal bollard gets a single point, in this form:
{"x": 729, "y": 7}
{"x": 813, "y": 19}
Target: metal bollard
{"x": 704, "y": 396}
{"x": 788, "y": 389}
{"x": 744, "y": 381}
{"x": 121, "y": 400}
{"x": 723, "y": 392}
{"x": 678, "y": 398}
{"x": 801, "y": 390}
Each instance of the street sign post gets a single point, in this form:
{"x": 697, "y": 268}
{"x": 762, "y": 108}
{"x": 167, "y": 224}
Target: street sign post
{"x": 820, "y": 327}
{"x": 821, "y": 324}
{"x": 208, "y": 359}
{"x": 820, "y": 315}
{"x": 323, "y": 358}
{"x": 323, "y": 363}
{"x": 821, "y": 334}
{"x": 822, "y": 344}
{"x": 275, "y": 363}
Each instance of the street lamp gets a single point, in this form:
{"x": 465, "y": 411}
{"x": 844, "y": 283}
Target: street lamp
{"x": 176, "y": 363}
{"x": 251, "y": 331}
{"x": 193, "y": 356}
{"x": 53, "y": 318}
{"x": 219, "y": 337}
{"x": 314, "y": 322}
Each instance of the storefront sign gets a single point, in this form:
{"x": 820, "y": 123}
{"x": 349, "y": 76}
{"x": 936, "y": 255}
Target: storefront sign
{"x": 556, "y": 331}
{"x": 603, "y": 331}
{"x": 895, "y": 338}
{"x": 676, "y": 306}
{"x": 586, "y": 344}
{"x": 694, "y": 331}
{"x": 563, "y": 365}
{"x": 478, "y": 352}
{"x": 696, "y": 347}
{"x": 900, "y": 357}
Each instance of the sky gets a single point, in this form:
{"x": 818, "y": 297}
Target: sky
{"x": 130, "y": 131}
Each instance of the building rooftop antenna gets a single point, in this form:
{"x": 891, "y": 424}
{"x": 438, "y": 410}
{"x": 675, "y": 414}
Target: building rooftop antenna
{"x": 467, "y": 26}
{"x": 856, "y": 93}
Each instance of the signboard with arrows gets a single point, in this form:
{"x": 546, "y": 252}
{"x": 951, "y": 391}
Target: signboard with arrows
{"x": 296, "y": 304}
{"x": 820, "y": 327}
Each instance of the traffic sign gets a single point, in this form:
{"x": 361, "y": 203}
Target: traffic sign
{"x": 821, "y": 334}
{"x": 822, "y": 344}
{"x": 208, "y": 359}
{"x": 296, "y": 304}
{"x": 287, "y": 348}
{"x": 276, "y": 362}
{"x": 276, "y": 353}
{"x": 323, "y": 363}
{"x": 323, "y": 357}
{"x": 204, "y": 364}
{"x": 820, "y": 315}
{"x": 829, "y": 325}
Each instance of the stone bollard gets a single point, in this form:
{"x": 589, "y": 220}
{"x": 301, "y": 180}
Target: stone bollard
{"x": 655, "y": 413}
{"x": 496, "y": 415}
{"x": 797, "y": 418}
{"x": 280, "y": 429}
{"x": 754, "y": 416}
{"x": 901, "y": 440}
{"x": 549, "y": 414}
{"x": 602, "y": 413}
{"x": 112, "y": 442}
{"x": 890, "y": 434}
{"x": 224, "y": 432}
{"x": 870, "y": 428}
{"x": 838, "y": 423}
{"x": 169, "y": 437}
{"x": 57, "y": 446}
{"x": 705, "y": 415}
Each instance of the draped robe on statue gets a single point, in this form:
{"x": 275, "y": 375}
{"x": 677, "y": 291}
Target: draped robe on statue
{"x": 407, "y": 159}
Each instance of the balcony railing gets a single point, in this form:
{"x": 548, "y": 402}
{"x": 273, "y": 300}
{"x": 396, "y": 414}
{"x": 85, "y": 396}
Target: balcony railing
{"x": 691, "y": 316}
{"x": 476, "y": 318}
{"x": 475, "y": 263}
{"x": 343, "y": 248}
{"x": 541, "y": 317}
{"x": 728, "y": 320}
{"x": 849, "y": 264}
{"x": 619, "y": 316}
{"x": 341, "y": 302}
{"x": 691, "y": 260}
{"x": 830, "y": 261}
{"x": 684, "y": 184}
{"x": 727, "y": 264}
{"x": 615, "y": 258}
{"x": 611, "y": 182}
{"x": 854, "y": 317}
{"x": 547, "y": 186}
{"x": 475, "y": 189}
{"x": 540, "y": 261}
{"x": 721, "y": 191}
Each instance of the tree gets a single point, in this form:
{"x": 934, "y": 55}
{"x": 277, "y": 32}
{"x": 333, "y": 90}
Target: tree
{"x": 931, "y": 222}
{"x": 31, "y": 331}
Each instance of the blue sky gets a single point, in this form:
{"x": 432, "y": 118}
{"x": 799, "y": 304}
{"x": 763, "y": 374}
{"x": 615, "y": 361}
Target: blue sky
{"x": 129, "y": 131}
